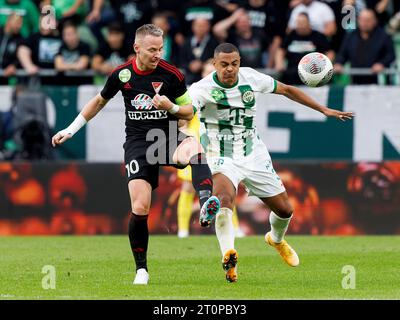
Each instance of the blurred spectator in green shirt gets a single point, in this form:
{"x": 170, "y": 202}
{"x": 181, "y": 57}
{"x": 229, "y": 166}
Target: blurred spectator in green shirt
{"x": 24, "y": 8}
{"x": 74, "y": 10}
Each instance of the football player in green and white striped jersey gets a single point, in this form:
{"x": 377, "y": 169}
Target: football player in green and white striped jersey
{"x": 226, "y": 101}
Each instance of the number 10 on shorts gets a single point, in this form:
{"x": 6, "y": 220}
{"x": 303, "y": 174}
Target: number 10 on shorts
{"x": 132, "y": 167}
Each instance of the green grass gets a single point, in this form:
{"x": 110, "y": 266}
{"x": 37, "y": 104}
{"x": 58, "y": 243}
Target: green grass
{"x": 101, "y": 267}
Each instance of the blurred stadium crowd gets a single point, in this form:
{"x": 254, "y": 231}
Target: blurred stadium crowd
{"x": 75, "y": 42}
{"x": 97, "y": 35}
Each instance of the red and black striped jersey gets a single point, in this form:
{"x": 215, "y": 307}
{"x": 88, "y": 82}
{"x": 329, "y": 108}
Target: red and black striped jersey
{"x": 138, "y": 89}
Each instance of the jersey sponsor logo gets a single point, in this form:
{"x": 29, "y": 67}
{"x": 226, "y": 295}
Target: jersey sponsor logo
{"x": 217, "y": 94}
{"x": 227, "y": 135}
{"x": 157, "y": 86}
{"x": 237, "y": 115}
{"x": 248, "y": 96}
{"x": 150, "y": 115}
{"x": 124, "y": 75}
{"x": 142, "y": 102}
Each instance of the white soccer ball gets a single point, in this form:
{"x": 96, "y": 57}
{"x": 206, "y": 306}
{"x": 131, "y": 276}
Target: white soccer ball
{"x": 315, "y": 69}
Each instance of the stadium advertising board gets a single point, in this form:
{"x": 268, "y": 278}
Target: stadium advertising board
{"x": 80, "y": 198}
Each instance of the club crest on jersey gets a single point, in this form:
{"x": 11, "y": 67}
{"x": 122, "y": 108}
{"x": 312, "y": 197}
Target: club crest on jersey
{"x": 217, "y": 94}
{"x": 248, "y": 96}
{"x": 124, "y": 75}
{"x": 157, "y": 86}
{"x": 142, "y": 102}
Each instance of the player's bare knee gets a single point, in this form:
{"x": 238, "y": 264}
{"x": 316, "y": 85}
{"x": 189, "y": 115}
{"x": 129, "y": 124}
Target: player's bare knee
{"x": 186, "y": 150}
{"x": 140, "y": 208}
{"x": 284, "y": 212}
{"x": 195, "y": 147}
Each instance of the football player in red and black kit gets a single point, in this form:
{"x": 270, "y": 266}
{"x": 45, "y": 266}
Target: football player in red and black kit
{"x": 155, "y": 98}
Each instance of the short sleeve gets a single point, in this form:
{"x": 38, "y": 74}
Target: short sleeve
{"x": 286, "y": 41}
{"x": 111, "y": 87}
{"x": 179, "y": 91}
{"x": 292, "y": 18}
{"x": 85, "y": 49}
{"x": 33, "y": 16}
{"x": 327, "y": 13}
{"x": 322, "y": 43}
{"x": 60, "y": 50}
{"x": 197, "y": 96}
{"x": 179, "y": 86}
{"x": 268, "y": 84}
{"x": 263, "y": 82}
{"x": 103, "y": 51}
{"x": 29, "y": 41}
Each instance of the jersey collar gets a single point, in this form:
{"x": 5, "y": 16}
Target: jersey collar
{"x": 223, "y": 85}
{"x": 140, "y": 72}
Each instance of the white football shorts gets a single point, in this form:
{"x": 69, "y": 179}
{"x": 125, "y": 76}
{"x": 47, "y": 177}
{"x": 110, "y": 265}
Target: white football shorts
{"x": 255, "y": 171}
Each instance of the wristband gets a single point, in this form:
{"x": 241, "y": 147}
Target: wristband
{"x": 74, "y": 127}
{"x": 175, "y": 108}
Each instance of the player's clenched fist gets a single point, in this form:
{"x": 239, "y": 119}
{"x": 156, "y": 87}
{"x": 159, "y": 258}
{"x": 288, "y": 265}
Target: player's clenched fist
{"x": 162, "y": 102}
{"x": 60, "y": 137}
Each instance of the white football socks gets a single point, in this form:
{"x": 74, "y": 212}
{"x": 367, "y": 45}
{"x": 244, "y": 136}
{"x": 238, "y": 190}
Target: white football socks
{"x": 225, "y": 230}
{"x": 278, "y": 226}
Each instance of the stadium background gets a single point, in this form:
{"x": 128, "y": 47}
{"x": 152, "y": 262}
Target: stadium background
{"x": 343, "y": 178}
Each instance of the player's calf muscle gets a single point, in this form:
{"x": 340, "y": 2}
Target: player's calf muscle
{"x": 281, "y": 206}
{"x": 224, "y": 190}
{"x": 226, "y": 199}
{"x": 279, "y": 202}
{"x": 225, "y": 196}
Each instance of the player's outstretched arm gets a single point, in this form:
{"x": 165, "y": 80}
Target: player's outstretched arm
{"x": 182, "y": 112}
{"x": 88, "y": 112}
{"x": 299, "y": 96}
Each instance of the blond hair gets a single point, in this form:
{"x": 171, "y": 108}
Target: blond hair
{"x": 148, "y": 30}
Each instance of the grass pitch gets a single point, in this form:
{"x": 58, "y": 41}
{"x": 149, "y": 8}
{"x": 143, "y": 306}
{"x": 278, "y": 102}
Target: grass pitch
{"x": 101, "y": 267}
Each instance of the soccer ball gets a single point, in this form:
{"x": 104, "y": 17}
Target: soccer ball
{"x": 315, "y": 69}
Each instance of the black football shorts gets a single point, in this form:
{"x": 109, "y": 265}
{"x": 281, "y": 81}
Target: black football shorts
{"x": 144, "y": 158}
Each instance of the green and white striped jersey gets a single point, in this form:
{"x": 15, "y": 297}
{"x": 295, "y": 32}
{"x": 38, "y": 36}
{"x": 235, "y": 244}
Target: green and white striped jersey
{"x": 228, "y": 127}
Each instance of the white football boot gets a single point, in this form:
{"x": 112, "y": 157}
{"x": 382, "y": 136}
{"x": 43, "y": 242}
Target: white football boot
{"x": 142, "y": 276}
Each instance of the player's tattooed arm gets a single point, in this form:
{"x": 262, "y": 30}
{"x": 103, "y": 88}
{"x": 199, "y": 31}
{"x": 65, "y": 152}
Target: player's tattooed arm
{"x": 88, "y": 112}
{"x": 300, "y": 96}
